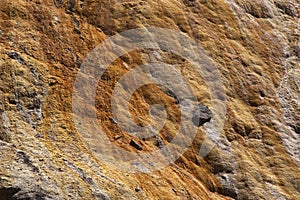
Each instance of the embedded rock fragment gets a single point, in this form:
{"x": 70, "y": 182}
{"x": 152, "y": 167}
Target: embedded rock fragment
{"x": 202, "y": 114}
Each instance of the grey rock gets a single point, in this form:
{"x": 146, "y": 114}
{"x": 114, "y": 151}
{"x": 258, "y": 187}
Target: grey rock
{"x": 202, "y": 114}
{"x": 16, "y": 56}
{"x": 287, "y": 8}
{"x": 32, "y": 195}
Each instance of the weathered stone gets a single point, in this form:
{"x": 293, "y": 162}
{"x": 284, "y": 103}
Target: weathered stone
{"x": 202, "y": 114}
{"x": 287, "y": 7}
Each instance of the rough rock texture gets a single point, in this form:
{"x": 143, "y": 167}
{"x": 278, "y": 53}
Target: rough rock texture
{"x": 254, "y": 44}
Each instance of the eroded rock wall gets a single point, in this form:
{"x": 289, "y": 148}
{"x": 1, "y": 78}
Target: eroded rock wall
{"x": 255, "y": 47}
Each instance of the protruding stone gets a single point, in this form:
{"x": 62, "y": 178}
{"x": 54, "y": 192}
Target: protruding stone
{"x": 202, "y": 114}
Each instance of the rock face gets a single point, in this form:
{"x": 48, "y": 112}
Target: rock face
{"x": 255, "y": 47}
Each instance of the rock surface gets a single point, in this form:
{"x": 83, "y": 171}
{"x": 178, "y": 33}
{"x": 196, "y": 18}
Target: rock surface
{"x": 254, "y": 45}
